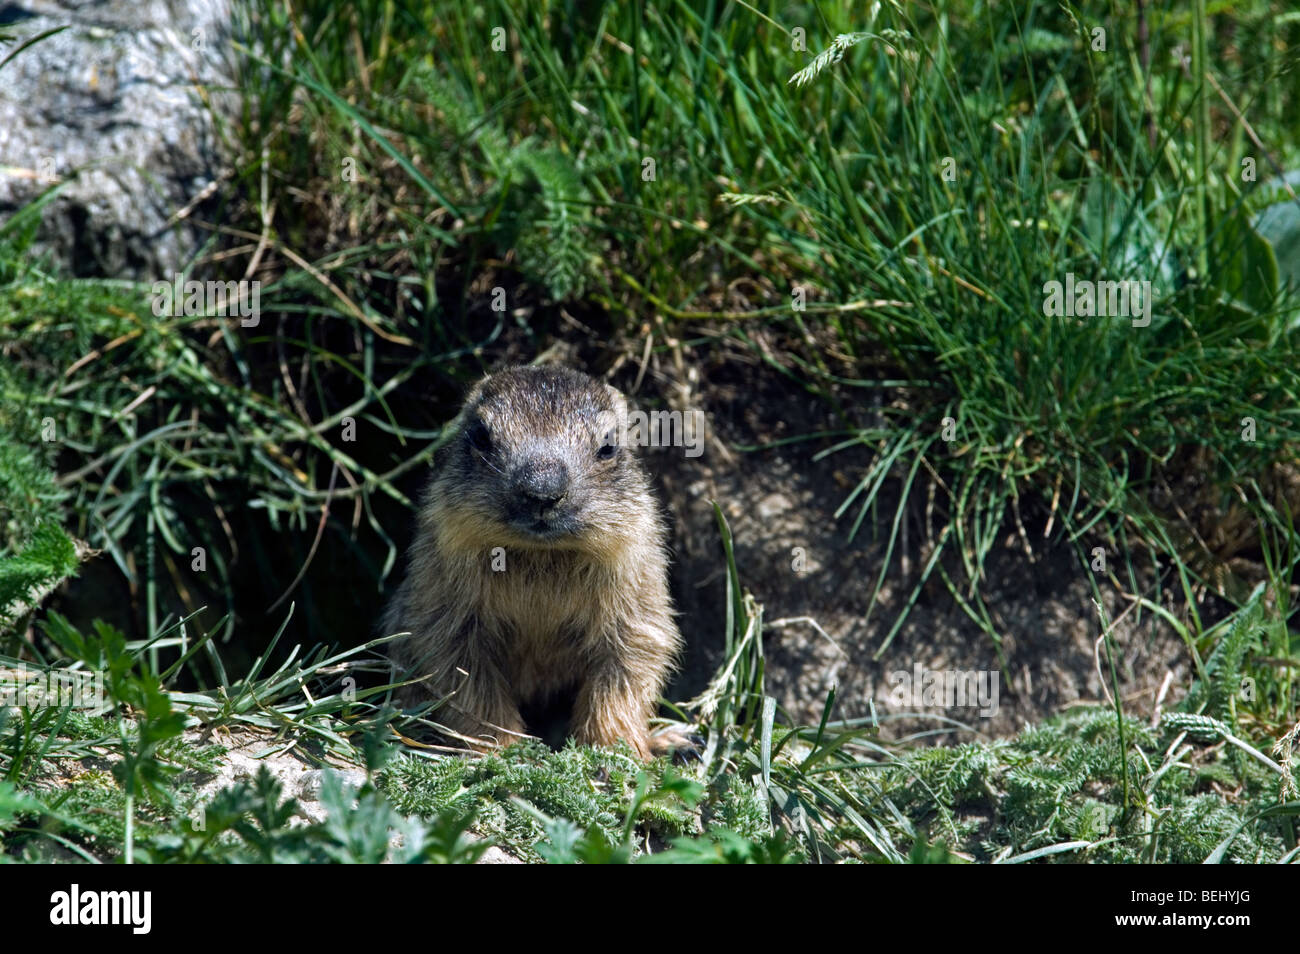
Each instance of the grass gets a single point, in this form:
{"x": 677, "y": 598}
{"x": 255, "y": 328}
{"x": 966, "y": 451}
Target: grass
{"x": 765, "y": 791}
{"x": 874, "y": 206}
{"x": 601, "y": 143}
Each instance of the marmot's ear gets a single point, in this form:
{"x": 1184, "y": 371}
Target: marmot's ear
{"x": 475, "y": 392}
{"x": 617, "y": 401}
{"x": 614, "y": 421}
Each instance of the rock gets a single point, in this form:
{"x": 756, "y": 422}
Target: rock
{"x": 309, "y": 784}
{"x": 774, "y": 505}
{"x": 498, "y": 856}
{"x": 114, "y": 109}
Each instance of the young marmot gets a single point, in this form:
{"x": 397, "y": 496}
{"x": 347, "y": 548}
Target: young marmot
{"x": 538, "y": 570}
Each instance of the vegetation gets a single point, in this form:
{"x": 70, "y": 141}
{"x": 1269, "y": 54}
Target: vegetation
{"x": 872, "y": 200}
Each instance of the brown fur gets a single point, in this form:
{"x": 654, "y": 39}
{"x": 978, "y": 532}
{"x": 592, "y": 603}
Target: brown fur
{"x": 582, "y": 602}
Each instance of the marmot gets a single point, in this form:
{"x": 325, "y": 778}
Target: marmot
{"x": 539, "y": 569}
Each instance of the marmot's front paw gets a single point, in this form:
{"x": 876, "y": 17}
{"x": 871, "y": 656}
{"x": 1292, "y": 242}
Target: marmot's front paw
{"x": 684, "y": 744}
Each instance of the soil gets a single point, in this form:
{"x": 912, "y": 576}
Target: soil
{"x": 818, "y": 635}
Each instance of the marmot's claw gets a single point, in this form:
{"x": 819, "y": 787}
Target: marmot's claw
{"x": 684, "y": 746}
{"x": 686, "y": 754}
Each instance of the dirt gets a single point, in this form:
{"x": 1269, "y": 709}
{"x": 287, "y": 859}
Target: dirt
{"x": 781, "y": 503}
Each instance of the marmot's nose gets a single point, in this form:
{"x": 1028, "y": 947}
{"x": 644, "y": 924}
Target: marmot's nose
{"x": 542, "y": 483}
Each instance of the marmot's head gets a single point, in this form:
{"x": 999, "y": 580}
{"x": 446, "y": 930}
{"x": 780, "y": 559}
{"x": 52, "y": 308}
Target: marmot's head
{"x": 535, "y": 460}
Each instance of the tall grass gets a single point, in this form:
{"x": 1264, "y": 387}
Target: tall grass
{"x": 920, "y": 178}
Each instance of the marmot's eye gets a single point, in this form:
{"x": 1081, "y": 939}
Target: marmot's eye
{"x": 480, "y": 438}
{"x": 608, "y": 448}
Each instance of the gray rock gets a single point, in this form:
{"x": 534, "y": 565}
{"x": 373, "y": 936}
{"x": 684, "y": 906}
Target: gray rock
{"x": 499, "y": 856}
{"x": 113, "y": 109}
